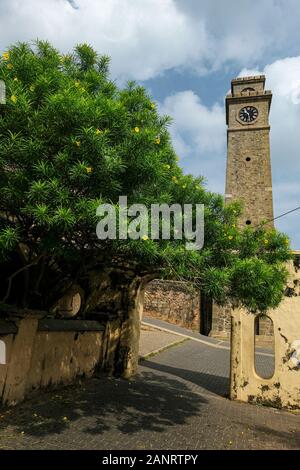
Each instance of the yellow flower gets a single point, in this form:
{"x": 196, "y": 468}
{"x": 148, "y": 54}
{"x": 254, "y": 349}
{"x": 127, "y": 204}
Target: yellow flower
{"x": 145, "y": 237}
{"x": 167, "y": 167}
{"x": 230, "y": 237}
{"x": 77, "y": 84}
{"x": 65, "y": 418}
{"x": 77, "y": 143}
{"x": 157, "y": 141}
{"x": 32, "y": 88}
{"x": 13, "y": 98}
{"x": 89, "y": 169}
{"x": 5, "y": 55}
{"x": 266, "y": 242}
{"x": 98, "y": 131}
{"x": 174, "y": 178}
{"x": 152, "y": 105}
{"x": 10, "y": 66}
{"x": 15, "y": 79}
{"x": 64, "y": 58}
{"x": 136, "y": 129}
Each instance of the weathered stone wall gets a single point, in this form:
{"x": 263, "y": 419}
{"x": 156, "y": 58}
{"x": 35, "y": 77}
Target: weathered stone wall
{"x": 264, "y": 327}
{"x": 178, "y": 303}
{"x": 173, "y": 301}
{"x": 221, "y": 321}
{"x": 221, "y": 324}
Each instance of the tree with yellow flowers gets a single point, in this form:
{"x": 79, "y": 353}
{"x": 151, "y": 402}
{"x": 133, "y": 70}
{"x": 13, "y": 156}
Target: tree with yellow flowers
{"x": 70, "y": 139}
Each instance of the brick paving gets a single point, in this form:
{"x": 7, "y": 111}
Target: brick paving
{"x": 177, "y": 401}
{"x": 264, "y": 361}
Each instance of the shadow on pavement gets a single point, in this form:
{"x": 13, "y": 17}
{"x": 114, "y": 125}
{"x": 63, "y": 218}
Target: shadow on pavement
{"x": 288, "y": 437}
{"x": 148, "y": 402}
{"x": 213, "y": 383}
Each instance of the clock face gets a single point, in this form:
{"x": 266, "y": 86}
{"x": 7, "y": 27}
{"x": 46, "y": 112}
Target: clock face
{"x": 248, "y": 114}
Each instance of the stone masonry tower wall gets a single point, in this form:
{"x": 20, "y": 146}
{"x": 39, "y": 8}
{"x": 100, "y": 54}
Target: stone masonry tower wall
{"x": 248, "y": 174}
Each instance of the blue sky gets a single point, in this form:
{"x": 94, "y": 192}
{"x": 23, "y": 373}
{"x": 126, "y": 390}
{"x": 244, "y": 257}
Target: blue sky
{"x": 186, "y": 52}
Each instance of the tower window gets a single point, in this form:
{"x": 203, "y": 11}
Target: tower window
{"x": 248, "y": 222}
{"x": 248, "y": 159}
{"x": 246, "y": 90}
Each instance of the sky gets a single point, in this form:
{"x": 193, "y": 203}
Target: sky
{"x": 185, "y": 52}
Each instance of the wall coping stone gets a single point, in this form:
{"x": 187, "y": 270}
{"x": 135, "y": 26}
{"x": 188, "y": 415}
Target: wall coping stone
{"x": 52, "y": 324}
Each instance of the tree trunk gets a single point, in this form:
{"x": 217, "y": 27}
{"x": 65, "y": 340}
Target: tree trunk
{"x": 120, "y": 293}
{"x": 127, "y": 354}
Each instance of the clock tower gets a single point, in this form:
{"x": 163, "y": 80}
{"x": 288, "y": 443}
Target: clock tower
{"x": 248, "y": 174}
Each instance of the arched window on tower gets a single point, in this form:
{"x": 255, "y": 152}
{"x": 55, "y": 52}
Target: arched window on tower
{"x": 247, "y": 91}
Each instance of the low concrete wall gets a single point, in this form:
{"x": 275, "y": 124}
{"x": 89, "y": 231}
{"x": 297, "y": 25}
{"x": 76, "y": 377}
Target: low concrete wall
{"x": 40, "y": 353}
{"x": 43, "y": 351}
{"x": 282, "y": 390}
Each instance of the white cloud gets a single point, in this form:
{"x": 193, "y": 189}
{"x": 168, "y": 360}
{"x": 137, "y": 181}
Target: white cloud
{"x": 283, "y": 79}
{"x": 143, "y": 38}
{"x": 198, "y": 135}
{"x": 193, "y": 118}
{"x": 245, "y": 32}
{"x": 147, "y": 37}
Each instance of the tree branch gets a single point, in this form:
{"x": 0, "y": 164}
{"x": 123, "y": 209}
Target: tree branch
{"x": 10, "y": 279}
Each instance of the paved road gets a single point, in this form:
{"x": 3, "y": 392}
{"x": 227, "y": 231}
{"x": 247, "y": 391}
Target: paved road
{"x": 264, "y": 362}
{"x": 176, "y": 402}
